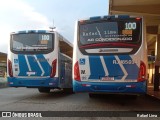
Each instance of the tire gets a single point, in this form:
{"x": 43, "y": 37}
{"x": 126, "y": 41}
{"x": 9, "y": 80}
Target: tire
{"x": 44, "y": 90}
{"x": 68, "y": 90}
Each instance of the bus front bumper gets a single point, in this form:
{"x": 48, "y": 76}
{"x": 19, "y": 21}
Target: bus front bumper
{"x": 33, "y": 82}
{"x": 110, "y": 87}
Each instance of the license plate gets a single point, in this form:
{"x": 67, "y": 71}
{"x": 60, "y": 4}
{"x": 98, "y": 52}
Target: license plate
{"x": 31, "y": 73}
{"x": 107, "y": 78}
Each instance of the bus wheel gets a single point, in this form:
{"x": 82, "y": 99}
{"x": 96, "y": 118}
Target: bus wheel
{"x": 68, "y": 90}
{"x": 44, "y": 90}
{"x": 92, "y": 95}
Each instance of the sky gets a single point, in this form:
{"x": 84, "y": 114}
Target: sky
{"x": 41, "y": 14}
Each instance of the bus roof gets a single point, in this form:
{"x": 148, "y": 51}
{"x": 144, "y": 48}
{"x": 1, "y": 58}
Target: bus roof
{"x": 95, "y": 18}
{"x": 32, "y": 31}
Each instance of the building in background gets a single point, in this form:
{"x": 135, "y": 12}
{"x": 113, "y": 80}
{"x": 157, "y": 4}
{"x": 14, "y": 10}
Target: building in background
{"x": 3, "y": 64}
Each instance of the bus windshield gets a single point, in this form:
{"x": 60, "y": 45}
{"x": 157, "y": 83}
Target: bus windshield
{"x": 111, "y": 31}
{"x": 31, "y": 42}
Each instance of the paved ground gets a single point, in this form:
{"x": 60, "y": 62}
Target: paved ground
{"x": 23, "y": 99}
{"x": 152, "y": 93}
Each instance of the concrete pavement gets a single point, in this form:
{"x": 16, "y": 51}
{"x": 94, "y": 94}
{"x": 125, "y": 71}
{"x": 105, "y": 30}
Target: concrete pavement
{"x": 153, "y": 94}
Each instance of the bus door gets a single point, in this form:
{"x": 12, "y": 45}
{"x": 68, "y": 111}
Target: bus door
{"x": 66, "y": 76}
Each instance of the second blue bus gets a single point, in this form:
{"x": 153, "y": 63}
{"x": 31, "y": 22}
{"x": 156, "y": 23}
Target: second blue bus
{"x": 40, "y": 59}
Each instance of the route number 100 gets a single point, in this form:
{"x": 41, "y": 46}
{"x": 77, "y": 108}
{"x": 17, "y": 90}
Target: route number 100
{"x": 45, "y": 37}
{"x": 130, "y": 26}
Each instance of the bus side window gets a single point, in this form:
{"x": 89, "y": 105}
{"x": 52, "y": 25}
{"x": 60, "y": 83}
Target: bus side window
{"x": 65, "y": 48}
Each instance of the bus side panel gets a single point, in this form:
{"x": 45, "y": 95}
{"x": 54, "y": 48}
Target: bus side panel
{"x": 65, "y": 72}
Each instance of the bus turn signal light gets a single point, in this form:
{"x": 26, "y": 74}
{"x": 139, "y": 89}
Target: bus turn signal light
{"x": 138, "y": 18}
{"x": 10, "y": 68}
{"x": 76, "y": 72}
{"x": 142, "y": 72}
{"x": 53, "y": 70}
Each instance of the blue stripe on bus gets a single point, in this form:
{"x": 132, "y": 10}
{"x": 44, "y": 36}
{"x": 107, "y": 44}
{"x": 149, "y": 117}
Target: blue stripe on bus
{"x": 132, "y": 69}
{"x": 95, "y": 18}
{"x": 123, "y": 16}
{"x": 113, "y": 69}
{"x": 32, "y": 31}
{"x": 45, "y": 65}
{"x": 109, "y": 17}
{"x": 22, "y": 66}
{"x": 42, "y": 31}
{"x": 22, "y": 31}
{"x": 96, "y": 67}
{"x": 34, "y": 66}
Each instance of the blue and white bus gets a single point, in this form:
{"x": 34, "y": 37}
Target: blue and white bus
{"x": 110, "y": 55}
{"x": 40, "y": 59}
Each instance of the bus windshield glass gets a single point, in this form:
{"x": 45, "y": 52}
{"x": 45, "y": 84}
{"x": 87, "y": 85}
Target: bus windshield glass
{"x": 109, "y": 31}
{"x": 31, "y": 42}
